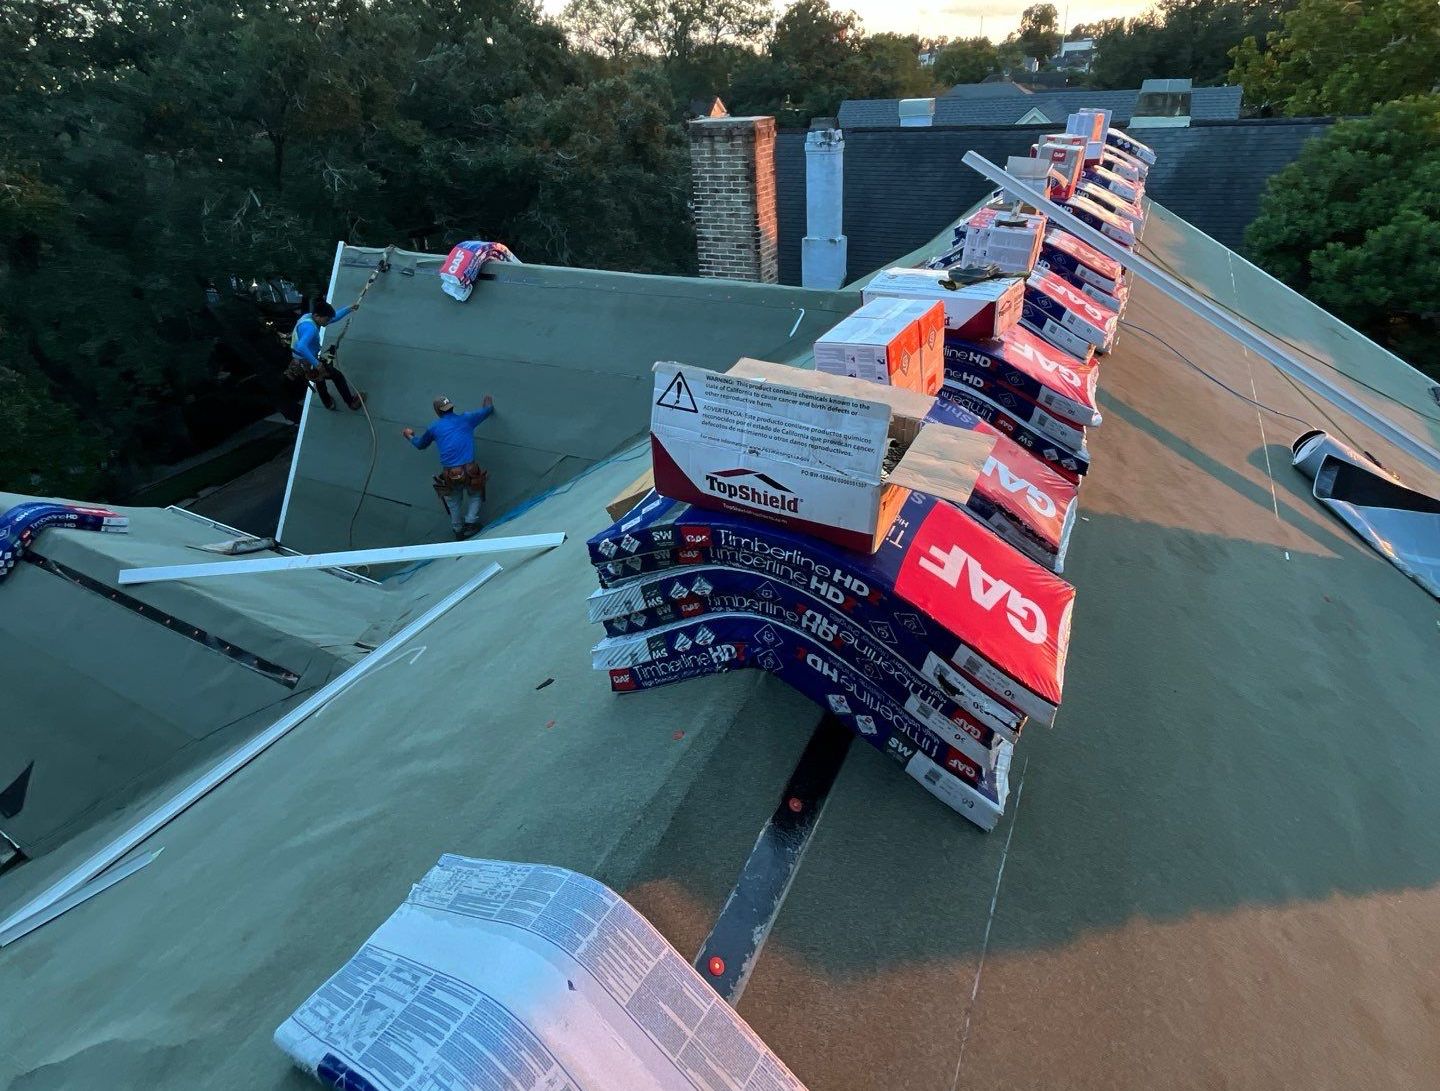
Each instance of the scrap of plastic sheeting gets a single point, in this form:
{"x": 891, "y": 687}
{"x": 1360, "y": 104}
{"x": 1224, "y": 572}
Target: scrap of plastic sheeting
{"x": 1402, "y": 525}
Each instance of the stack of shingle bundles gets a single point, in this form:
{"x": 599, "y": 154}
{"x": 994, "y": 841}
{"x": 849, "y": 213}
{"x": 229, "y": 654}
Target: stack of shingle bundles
{"x": 21, "y": 523}
{"x": 935, "y": 649}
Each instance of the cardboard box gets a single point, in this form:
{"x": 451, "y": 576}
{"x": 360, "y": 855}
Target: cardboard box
{"x": 981, "y": 608}
{"x": 1061, "y": 314}
{"x": 630, "y": 495}
{"x": 1125, "y": 188}
{"x": 1066, "y": 159}
{"x": 896, "y": 342}
{"x": 1071, "y": 465}
{"x": 1008, "y": 240}
{"x": 985, "y": 309}
{"x": 802, "y": 449}
{"x": 1102, "y": 219}
{"x": 726, "y": 642}
{"x": 1057, "y": 381}
{"x": 1078, "y": 262}
{"x": 1091, "y": 124}
{"x": 1123, "y": 141}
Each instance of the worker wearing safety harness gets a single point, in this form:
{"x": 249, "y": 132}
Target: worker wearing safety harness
{"x": 461, "y": 481}
{"x": 310, "y": 363}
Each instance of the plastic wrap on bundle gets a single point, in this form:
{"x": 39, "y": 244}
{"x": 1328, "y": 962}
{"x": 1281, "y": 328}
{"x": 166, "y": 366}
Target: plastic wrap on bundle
{"x": 466, "y": 260}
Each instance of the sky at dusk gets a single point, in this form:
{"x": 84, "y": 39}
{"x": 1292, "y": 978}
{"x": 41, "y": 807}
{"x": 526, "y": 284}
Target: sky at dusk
{"x": 960, "y": 18}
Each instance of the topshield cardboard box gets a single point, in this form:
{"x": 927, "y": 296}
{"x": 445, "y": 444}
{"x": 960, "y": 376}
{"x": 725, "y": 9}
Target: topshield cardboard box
{"x": 1091, "y": 124}
{"x": 984, "y": 309}
{"x": 822, "y": 454}
{"x": 896, "y": 342}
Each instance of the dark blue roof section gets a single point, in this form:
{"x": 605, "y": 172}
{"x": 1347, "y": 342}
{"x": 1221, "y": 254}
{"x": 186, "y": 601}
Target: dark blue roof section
{"x": 959, "y": 107}
{"x": 902, "y": 186}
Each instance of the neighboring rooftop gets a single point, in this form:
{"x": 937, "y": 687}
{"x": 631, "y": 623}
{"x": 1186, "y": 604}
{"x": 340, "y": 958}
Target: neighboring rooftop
{"x": 901, "y": 185}
{"x": 989, "y": 104}
{"x": 1220, "y": 868}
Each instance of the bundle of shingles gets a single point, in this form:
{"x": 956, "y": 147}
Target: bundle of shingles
{"x": 938, "y": 644}
{"x": 20, "y": 525}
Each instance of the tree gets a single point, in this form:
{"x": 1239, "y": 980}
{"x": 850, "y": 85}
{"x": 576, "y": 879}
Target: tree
{"x": 1342, "y": 56}
{"x": 670, "y": 30}
{"x": 1039, "y": 34}
{"x": 968, "y": 60}
{"x": 892, "y": 67}
{"x": 1354, "y": 223}
{"x": 812, "y": 63}
{"x": 1178, "y": 39}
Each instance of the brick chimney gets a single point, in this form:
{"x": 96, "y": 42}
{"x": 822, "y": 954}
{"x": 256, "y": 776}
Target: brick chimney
{"x": 732, "y": 162}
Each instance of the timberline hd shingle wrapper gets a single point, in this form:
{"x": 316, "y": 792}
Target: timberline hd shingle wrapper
{"x": 1058, "y": 382}
{"x": 1128, "y": 211}
{"x": 20, "y": 525}
{"x": 984, "y": 309}
{"x": 880, "y": 651}
{"x": 1070, "y": 464}
{"x": 895, "y": 342}
{"x": 1123, "y": 141}
{"x": 1065, "y": 317}
{"x": 1020, "y": 408}
{"x": 495, "y": 974}
{"x": 1107, "y": 179}
{"x": 724, "y": 642}
{"x": 802, "y": 449}
{"x": 999, "y": 618}
{"x": 1101, "y": 219}
{"x": 1078, "y": 262}
{"x": 1126, "y": 166}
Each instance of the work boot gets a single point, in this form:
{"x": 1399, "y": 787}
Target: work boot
{"x": 326, "y": 400}
{"x": 469, "y": 530}
{"x": 357, "y": 401}
{"x": 459, "y": 534}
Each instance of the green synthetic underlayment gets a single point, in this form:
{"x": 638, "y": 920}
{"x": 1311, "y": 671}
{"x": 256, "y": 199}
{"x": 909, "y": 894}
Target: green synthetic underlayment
{"x": 1224, "y": 868}
{"x": 566, "y": 353}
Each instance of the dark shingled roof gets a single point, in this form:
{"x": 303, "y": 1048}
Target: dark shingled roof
{"x": 902, "y": 186}
{"x": 1206, "y": 104}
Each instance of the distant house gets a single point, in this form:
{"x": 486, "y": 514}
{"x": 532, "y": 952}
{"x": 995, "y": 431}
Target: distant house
{"x": 903, "y": 186}
{"x": 1006, "y": 103}
{"x": 1078, "y": 55}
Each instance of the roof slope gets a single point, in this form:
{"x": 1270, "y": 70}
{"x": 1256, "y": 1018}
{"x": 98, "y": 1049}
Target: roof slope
{"x": 903, "y": 185}
{"x": 1007, "y": 108}
{"x": 1228, "y": 837}
{"x": 566, "y": 354}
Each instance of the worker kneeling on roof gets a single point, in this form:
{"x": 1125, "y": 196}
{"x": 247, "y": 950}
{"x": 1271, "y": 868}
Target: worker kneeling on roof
{"x": 461, "y": 481}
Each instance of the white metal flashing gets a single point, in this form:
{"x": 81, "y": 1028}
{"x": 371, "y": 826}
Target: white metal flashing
{"x": 63, "y": 905}
{"x": 128, "y": 839}
{"x": 305, "y": 409}
{"x": 394, "y": 555}
{"x": 1217, "y": 316}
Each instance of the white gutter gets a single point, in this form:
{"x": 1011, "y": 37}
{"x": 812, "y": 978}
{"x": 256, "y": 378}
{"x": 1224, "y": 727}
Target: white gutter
{"x": 1216, "y": 316}
{"x": 390, "y": 555}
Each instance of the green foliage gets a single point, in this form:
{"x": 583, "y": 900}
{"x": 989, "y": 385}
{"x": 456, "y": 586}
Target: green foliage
{"x": 149, "y": 147}
{"x": 1179, "y": 39}
{"x": 1341, "y": 57}
{"x": 967, "y": 60}
{"x": 1354, "y": 223}
{"x": 1039, "y": 33}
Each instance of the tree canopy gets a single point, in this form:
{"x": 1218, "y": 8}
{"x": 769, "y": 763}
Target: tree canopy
{"x": 1341, "y": 57}
{"x": 1178, "y": 39}
{"x": 966, "y": 60}
{"x": 1354, "y": 223}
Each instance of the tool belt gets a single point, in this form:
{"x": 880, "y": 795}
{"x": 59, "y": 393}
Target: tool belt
{"x": 299, "y": 369}
{"x": 470, "y": 476}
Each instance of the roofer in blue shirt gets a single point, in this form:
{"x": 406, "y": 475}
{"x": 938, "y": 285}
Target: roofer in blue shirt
{"x": 461, "y": 481}
{"x": 317, "y": 367}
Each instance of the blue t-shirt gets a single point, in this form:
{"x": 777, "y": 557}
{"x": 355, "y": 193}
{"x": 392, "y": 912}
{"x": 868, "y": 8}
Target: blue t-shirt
{"x": 454, "y": 433}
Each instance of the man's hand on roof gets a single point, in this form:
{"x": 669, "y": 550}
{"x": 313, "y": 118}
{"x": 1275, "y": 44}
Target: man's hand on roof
{"x": 487, "y": 402}
{"x": 408, "y": 433}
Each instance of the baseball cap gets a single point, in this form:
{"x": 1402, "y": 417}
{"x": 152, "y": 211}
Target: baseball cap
{"x": 442, "y": 403}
